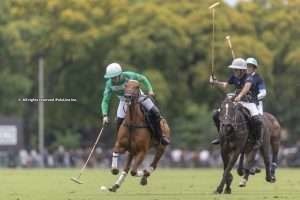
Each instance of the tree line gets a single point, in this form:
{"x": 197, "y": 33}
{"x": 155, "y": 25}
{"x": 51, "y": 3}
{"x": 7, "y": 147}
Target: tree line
{"x": 166, "y": 40}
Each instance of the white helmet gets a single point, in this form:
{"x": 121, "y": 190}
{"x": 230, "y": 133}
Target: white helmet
{"x": 252, "y": 61}
{"x": 238, "y": 63}
{"x": 113, "y": 70}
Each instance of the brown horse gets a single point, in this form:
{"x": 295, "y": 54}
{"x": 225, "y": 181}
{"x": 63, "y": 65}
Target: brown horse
{"x": 234, "y": 135}
{"x": 134, "y": 137}
{"x": 271, "y": 139}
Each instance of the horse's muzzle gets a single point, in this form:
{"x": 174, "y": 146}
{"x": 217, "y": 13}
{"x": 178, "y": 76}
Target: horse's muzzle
{"x": 226, "y": 129}
{"x": 130, "y": 97}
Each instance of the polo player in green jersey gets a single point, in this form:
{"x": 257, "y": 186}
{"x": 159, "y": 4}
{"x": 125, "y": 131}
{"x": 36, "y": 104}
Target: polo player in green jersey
{"x": 116, "y": 80}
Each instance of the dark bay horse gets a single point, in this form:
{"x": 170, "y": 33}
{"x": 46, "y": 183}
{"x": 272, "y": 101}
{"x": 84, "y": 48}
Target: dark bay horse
{"x": 271, "y": 141}
{"x": 134, "y": 137}
{"x": 234, "y": 134}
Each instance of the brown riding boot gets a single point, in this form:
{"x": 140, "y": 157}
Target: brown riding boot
{"x": 257, "y": 130}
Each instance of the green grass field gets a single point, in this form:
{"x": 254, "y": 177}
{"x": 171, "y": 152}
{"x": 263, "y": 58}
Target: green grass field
{"x": 163, "y": 184}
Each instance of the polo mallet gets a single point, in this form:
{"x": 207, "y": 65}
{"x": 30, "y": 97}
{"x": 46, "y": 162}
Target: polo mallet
{"x": 230, "y": 46}
{"x": 77, "y": 179}
{"x": 212, "y": 9}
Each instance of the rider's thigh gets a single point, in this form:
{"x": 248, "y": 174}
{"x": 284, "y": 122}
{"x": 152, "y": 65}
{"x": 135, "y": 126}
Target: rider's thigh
{"x": 121, "y": 109}
{"x": 251, "y": 107}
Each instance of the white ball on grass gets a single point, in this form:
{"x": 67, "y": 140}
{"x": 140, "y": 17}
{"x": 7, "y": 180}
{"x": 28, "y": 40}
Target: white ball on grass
{"x": 103, "y": 188}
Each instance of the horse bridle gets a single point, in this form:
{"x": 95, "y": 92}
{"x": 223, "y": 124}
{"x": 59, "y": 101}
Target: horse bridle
{"x": 233, "y": 119}
{"x": 130, "y": 97}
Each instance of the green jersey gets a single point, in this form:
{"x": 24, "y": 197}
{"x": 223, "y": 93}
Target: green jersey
{"x": 118, "y": 88}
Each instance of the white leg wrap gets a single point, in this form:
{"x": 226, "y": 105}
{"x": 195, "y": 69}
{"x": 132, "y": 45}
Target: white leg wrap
{"x": 140, "y": 173}
{"x": 243, "y": 182}
{"x": 121, "y": 178}
{"x": 114, "y": 163}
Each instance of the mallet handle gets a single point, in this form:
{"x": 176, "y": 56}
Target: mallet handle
{"x": 230, "y": 46}
{"x": 95, "y": 144}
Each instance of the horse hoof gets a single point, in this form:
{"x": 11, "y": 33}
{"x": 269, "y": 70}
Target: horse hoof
{"x": 113, "y": 188}
{"x": 252, "y": 171}
{"x": 269, "y": 179}
{"x": 240, "y": 172}
{"x": 273, "y": 179}
{"x": 144, "y": 180}
{"x": 227, "y": 191}
{"x": 242, "y": 185}
{"x": 218, "y": 191}
{"x": 257, "y": 170}
{"x": 133, "y": 173}
{"x": 146, "y": 173}
{"x": 115, "y": 171}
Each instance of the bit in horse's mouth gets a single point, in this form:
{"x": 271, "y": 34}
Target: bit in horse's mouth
{"x": 128, "y": 98}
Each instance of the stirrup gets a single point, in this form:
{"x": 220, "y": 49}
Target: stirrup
{"x": 216, "y": 141}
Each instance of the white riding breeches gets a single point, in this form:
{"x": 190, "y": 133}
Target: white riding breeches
{"x": 260, "y": 107}
{"x": 122, "y": 108}
{"x": 252, "y": 107}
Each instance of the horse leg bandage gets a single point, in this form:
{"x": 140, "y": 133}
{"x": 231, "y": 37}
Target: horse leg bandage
{"x": 140, "y": 173}
{"x": 121, "y": 178}
{"x": 114, "y": 163}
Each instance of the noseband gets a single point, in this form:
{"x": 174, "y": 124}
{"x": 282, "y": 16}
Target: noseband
{"x": 131, "y": 99}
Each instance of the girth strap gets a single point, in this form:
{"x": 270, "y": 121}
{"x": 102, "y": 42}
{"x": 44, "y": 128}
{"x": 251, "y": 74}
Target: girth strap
{"x": 136, "y": 125}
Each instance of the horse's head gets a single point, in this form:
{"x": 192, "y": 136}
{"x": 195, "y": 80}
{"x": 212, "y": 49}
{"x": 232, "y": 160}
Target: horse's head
{"x": 227, "y": 116}
{"x": 132, "y": 91}
{"x": 134, "y": 115}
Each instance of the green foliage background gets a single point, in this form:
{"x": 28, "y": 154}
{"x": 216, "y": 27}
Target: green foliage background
{"x": 167, "y": 40}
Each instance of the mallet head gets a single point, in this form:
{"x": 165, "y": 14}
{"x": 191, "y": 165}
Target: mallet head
{"x": 213, "y": 5}
{"x": 76, "y": 180}
{"x": 229, "y": 42}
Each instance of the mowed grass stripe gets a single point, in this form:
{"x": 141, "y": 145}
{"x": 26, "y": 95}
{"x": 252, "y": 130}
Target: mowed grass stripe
{"x": 185, "y": 184}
